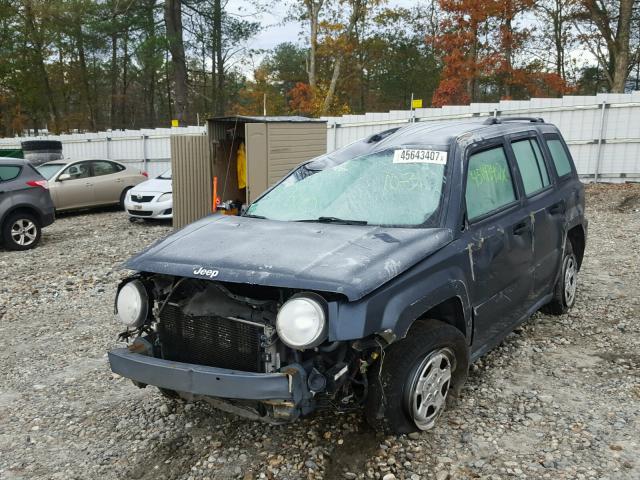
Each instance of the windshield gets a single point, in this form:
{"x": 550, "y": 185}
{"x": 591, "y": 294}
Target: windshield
{"x": 49, "y": 170}
{"x": 166, "y": 175}
{"x": 371, "y": 188}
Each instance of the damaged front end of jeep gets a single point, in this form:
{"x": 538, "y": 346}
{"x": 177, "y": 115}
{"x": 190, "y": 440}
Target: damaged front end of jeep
{"x": 257, "y": 351}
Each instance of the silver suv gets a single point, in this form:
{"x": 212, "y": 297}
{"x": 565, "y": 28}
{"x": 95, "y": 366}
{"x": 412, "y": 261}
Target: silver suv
{"x": 25, "y": 204}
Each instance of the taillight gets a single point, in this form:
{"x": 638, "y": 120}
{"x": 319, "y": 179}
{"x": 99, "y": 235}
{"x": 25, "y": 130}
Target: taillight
{"x": 145, "y": 174}
{"x": 38, "y": 183}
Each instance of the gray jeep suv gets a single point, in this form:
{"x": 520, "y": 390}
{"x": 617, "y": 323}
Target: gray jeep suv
{"x": 25, "y": 204}
{"x": 371, "y": 276}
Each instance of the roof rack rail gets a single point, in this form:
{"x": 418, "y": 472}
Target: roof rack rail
{"x": 496, "y": 120}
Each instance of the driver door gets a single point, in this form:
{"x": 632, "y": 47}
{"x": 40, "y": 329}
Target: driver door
{"x": 76, "y": 191}
{"x": 499, "y": 243}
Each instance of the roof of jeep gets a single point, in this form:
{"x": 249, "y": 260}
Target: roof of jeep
{"x": 444, "y": 132}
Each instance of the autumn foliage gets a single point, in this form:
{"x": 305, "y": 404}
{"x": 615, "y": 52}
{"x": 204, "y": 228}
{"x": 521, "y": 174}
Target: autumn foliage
{"x": 479, "y": 43}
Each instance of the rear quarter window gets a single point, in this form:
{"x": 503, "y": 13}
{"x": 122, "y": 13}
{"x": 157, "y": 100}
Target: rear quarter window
{"x": 559, "y": 155}
{"x": 9, "y": 172}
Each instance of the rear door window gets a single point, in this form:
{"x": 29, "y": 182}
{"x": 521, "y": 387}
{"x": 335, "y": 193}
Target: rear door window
{"x": 102, "y": 167}
{"x": 9, "y": 172}
{"x": 489, "y": 183}
{"x": 531, "y": 165}
{"x": 559, "y": 155}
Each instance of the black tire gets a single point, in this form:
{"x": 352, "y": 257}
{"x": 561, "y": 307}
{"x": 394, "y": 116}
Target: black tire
{"x": 123, "y": 195}
{"x": 562, "y": 301}
{"x": 31, "y": 237}
{"x": 392, "y": 378}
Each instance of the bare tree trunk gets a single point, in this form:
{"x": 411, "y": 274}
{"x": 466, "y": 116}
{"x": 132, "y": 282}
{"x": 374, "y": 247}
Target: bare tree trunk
{"x": 473, "y": 61}
{"x": 150, "y": 88}
{"x": 219, "y": 80}
{"x": 114, "y": 80}
{"x": 623, "y": 34}
{"x": 358, "y": 9}
{"x": 173, "y": 21}
{"x": 313, "y": 12}
{"x": 617, "y": 42}
{"x": 37, "y": 42}
{"x": 125, "y": 80}
{"x": 88, "y": 98}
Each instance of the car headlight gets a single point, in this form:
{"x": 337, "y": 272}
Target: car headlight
{"x": 165, "y": 197}
{"x": 302, "y": 321}
{"x": 132, "y": 304}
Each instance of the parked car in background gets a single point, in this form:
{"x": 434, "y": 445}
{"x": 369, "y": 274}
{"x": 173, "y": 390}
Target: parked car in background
{"x": 151, "y": 199}
{"x": 89, "y": 183}
{"x": 371, "y": 276}
{"x": 25, "y": 204}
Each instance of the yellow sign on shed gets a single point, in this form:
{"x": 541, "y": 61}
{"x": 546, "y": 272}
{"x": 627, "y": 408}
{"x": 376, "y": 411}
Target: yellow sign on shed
{"x": 175, "y": 123}
{"x": 416, "y": 103}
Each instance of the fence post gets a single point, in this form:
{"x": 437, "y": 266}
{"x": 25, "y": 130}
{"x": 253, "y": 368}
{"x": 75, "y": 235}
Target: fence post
{"x": 108, "y": 140}
{"x": 600, "y": 141}
{"x": 144, "y": 152}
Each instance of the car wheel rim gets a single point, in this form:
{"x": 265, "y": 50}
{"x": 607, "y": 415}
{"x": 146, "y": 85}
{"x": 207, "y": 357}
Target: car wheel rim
{"x": 429, "y": 387}
{"x": 24, "y": 232}
{"x": 570, "y": 280}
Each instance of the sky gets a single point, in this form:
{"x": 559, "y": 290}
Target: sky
{"x": 277, "y": 30}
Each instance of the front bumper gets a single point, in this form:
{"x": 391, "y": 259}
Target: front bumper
{"x": 203, "y": 380}
{"x": 152, "y": 209}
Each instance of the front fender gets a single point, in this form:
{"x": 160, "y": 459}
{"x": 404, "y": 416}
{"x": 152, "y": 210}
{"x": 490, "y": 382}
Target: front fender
{"x": 396, "y": 306}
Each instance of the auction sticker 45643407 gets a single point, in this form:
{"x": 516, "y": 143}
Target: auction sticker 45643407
{"x": 407, "y": 155}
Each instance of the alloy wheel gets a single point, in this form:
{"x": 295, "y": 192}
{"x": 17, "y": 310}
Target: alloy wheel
{"x": 24, "y": 232}
{"x": 429, "y": 387}
{"x": 570, "y": 280}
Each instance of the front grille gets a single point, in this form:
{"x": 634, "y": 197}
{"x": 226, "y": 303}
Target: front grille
{"x": 141, "y": 198}
{"x": 213, "y": 341}
{"x": 141, "y": 213}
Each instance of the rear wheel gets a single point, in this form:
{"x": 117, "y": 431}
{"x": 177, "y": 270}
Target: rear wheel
{"x": 21, "y": 231}
{"x": 564, "y": 292}
{"x": 411, "y": 382}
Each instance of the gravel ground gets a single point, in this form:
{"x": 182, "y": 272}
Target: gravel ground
{"x": 560, "y": 398}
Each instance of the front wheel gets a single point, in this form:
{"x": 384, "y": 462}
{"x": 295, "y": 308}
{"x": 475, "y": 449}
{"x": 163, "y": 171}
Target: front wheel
{"x": 564, "y": 291}
{"x": 411, "y": 382}
{"x": 123, "y": 197}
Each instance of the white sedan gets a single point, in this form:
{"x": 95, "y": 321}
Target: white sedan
{"x": 151, "y": 199}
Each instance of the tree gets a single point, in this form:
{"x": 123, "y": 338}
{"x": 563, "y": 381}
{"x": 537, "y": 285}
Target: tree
{"x": 173, "y": 22}
{"x": 312, "y": 11}
{"x": 608, "y": 35}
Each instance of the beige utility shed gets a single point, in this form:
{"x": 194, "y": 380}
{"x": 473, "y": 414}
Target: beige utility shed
{"x": 273, "y": 146}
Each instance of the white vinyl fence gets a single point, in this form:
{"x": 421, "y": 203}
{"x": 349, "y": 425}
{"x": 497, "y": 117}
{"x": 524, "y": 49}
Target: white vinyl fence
{"x": 602, "y": 131}
{"x": 147, "y": 149}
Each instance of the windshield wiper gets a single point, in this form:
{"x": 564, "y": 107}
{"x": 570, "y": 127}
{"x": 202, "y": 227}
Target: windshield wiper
{"x": 336, "y": 220}
{"x": 248, "y": 215}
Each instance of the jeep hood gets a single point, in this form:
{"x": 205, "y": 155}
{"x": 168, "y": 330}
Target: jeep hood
{"x": 348, "y": 259}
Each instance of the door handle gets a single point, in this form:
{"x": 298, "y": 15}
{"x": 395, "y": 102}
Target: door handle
{"x": 557, "y": 208}
{"x": 89, "y": 184}
{"x": 520, "y": 228}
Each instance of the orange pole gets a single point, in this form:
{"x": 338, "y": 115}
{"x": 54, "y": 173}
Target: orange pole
{"x": 215, "y": 195}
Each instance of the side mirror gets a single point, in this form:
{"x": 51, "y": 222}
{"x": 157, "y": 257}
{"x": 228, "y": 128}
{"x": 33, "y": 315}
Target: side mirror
{"x": 63, "y": 177}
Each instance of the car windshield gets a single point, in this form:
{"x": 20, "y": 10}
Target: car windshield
{"x": 49, "y": 170}
{"x": 166, "y": 175}
{"x": 376, "y": 189}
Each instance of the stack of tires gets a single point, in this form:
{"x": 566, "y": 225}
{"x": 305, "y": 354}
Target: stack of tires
{"x": 41, "y": 151}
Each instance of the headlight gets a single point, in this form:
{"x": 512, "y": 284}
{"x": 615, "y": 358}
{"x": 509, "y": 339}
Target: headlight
{"x": 132, "y": 304}
{"x": 301, "y": 322}
{"x": 165, "y": 197}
